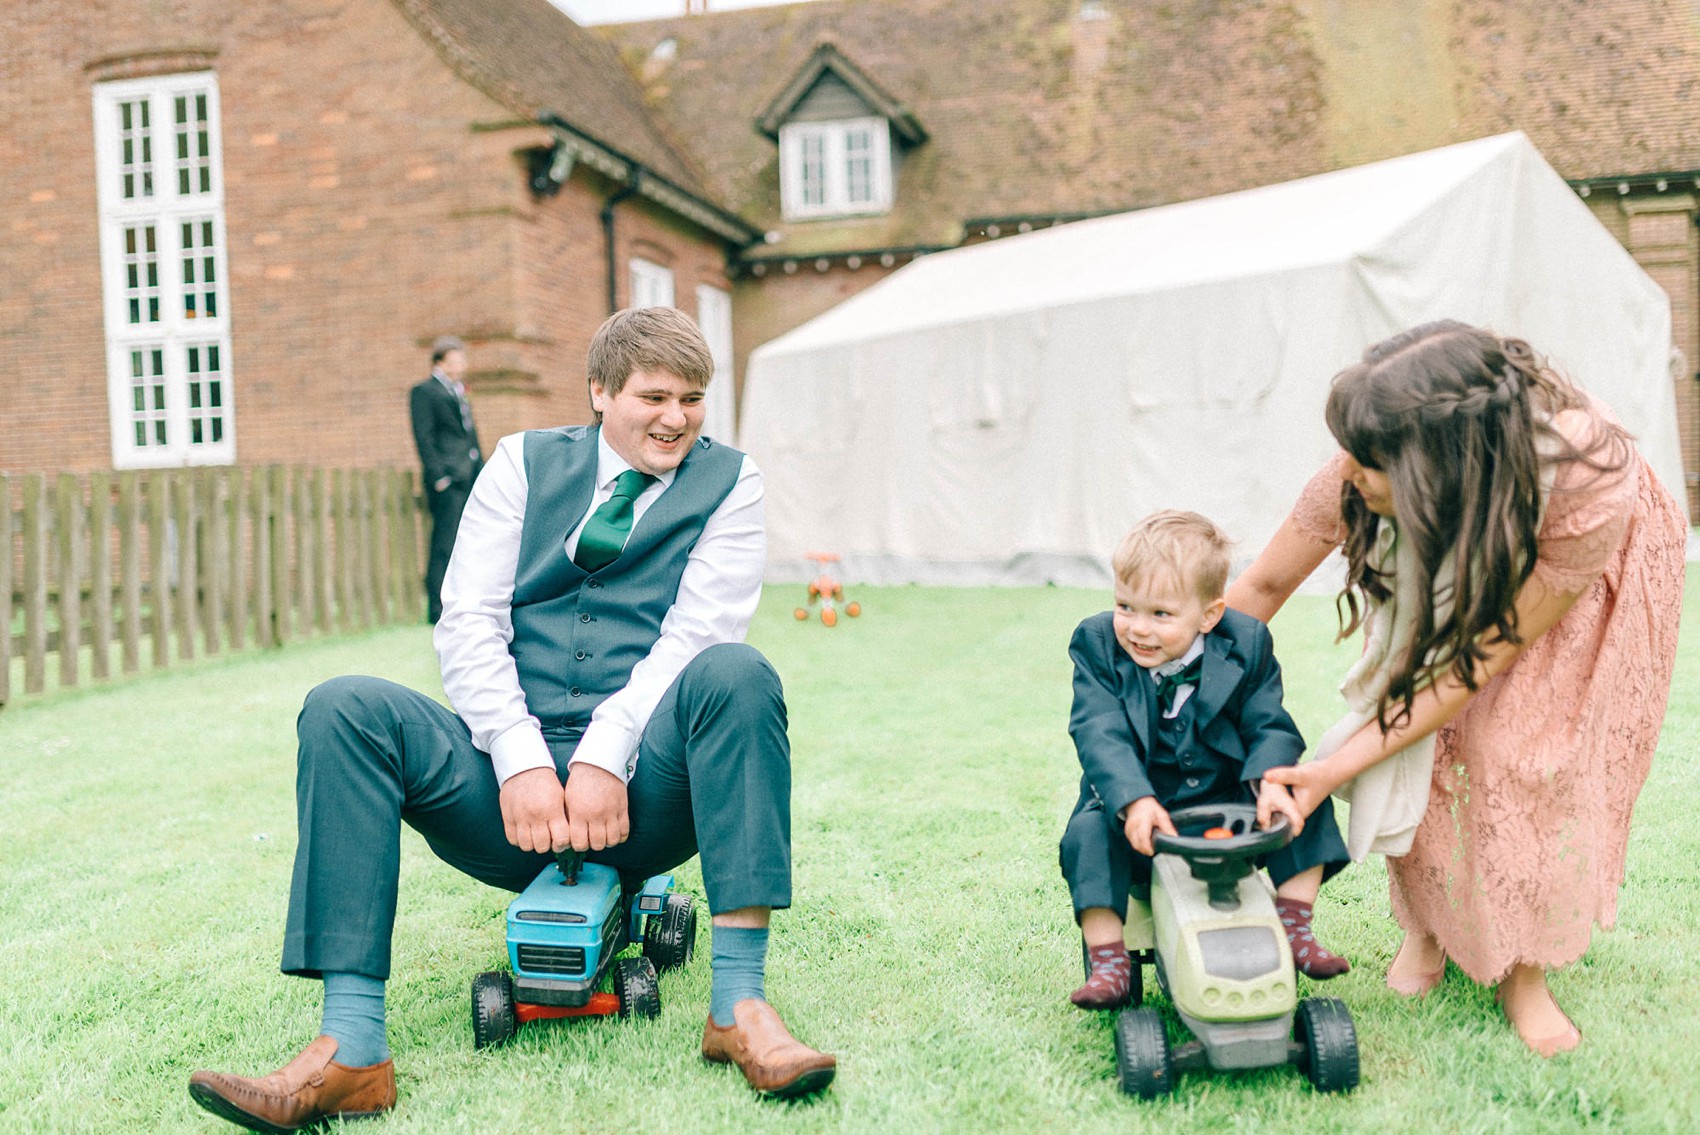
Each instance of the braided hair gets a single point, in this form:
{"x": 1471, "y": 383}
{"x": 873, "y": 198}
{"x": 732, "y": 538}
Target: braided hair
{"x": 1451, "y": 413}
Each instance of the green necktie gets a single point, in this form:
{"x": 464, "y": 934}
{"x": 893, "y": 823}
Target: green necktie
{"x": 1168, "y": 685}
{"x": 605, "y": 534}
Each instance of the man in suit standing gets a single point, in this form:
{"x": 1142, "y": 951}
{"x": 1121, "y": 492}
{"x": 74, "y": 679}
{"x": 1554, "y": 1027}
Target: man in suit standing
{"x": 449, "y": 454}
{"x": 591, "y": 646}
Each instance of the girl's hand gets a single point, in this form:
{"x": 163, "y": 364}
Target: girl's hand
{"x": 1273, "y": 798}
{"x": 1310, "y": 784}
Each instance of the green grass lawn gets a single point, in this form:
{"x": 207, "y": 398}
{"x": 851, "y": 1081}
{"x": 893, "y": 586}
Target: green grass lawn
{"x": 147, "y": 830}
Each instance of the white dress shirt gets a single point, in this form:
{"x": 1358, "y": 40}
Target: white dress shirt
{"x": 718, "y": 593}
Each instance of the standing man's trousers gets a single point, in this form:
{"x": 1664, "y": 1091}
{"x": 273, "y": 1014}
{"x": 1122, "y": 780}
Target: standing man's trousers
{"x": 713, "y": 772}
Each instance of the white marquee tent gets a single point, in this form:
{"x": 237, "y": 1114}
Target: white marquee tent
{"x": 1001, "y": 413}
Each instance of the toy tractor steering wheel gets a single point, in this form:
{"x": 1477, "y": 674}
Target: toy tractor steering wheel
{"x": 1221, "y": 844}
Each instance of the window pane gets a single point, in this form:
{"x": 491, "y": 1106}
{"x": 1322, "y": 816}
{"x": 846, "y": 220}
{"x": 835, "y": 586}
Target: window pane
{"x": 194, "y": 147}
{"x": 135, "y": 167}
{"x": 814, "y": 170}
{"x": 205, "y": 394}
{"x": 859, "y": 166}
{"x": 147, "y": 396}
{"x": 141, "y": 274}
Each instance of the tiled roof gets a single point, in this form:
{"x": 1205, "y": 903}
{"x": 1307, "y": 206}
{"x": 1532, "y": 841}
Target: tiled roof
{"x": 1035, "y": 108}
{"x": 531, "y": 57}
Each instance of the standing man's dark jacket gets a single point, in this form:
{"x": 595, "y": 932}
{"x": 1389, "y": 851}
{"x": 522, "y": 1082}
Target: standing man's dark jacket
{"x": 451, "y": 459}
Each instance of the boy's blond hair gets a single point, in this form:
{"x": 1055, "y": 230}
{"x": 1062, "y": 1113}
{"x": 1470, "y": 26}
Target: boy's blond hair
{"x": 1180, "y": 547}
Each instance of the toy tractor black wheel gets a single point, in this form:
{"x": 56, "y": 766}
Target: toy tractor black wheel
{"x": 637, "y": 989}
{"x": 1143, "y": 1064}
{"x": 493, "y": 1019}
{"x": 1324, "y": 1031}
{"x": 670, "y": 935}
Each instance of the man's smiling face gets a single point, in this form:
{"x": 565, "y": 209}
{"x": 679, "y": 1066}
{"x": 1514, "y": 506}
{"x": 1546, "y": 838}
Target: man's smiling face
{"x": 653, "y": 421}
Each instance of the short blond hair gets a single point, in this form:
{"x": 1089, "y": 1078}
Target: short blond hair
{"x": 649, "y": 339}
{"x": 1181, "y": 547}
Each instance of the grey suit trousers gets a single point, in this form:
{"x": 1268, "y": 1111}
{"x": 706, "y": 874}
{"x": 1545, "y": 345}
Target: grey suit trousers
{"x": 714, "y": 771}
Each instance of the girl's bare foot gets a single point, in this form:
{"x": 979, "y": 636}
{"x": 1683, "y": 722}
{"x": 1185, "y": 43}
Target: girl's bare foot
{"x": 1417, "y": 967}
{"x": 1529, "y": 1005}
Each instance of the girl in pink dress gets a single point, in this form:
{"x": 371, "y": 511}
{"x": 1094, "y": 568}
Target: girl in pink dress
{"x": 1548, "y": 564}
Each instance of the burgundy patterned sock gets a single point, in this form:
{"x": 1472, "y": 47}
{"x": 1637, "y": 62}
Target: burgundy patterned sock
{"x": 1309, "y": 955}
{"x": 1112, "y": 978}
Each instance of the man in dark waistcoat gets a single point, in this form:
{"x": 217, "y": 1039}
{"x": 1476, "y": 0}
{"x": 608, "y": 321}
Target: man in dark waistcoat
{"x": 591, "y": 645}
{"x": 449, "y": 456}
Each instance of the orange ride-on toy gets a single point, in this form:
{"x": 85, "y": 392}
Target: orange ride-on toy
{"x": 825, "y": 590}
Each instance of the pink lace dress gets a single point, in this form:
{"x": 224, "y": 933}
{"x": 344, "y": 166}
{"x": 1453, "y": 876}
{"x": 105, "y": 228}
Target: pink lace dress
{"x": 1522, "y": 848}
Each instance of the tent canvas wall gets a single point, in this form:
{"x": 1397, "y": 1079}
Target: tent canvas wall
{"x": 1001, "y": 413}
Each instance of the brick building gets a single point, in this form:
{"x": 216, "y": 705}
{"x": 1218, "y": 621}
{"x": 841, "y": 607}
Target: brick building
{"x": 998, "y": 116}
{"x": 381, "y": 171}
{"x": 233, "y": 229}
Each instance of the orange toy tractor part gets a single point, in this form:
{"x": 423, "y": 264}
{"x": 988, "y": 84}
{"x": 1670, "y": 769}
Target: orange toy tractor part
{"x": 826, "y": 592}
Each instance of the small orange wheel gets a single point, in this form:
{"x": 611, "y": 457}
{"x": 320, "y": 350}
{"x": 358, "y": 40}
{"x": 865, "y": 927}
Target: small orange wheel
{"x": 853, "y": 608}
{"x": 800, "y": 614}
{"x": 829, "y": 617}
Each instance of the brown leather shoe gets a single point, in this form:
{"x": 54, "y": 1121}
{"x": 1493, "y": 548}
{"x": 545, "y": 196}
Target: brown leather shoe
{"x": 307, "y": 1091}
{"x": 773, "y": 1061}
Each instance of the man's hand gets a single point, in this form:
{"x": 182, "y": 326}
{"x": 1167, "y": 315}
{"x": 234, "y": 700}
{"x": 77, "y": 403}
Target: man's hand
{"x": 1145, "y": 816}
{"x": 534, "y": 812}
{"x": 1274, "y": 798}
{"x": 596, "y": 808}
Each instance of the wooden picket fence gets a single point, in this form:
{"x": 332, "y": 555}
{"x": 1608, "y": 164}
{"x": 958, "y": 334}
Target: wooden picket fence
{"x": 101, "y": 570}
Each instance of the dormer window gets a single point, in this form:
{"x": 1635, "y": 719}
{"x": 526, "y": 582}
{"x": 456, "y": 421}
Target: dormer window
{"x": 830, "y": 169}
{"x": 839, "y": 136}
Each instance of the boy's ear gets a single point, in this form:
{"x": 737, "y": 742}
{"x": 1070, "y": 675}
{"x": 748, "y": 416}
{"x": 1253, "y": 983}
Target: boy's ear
{"x": 1213, "y": 615}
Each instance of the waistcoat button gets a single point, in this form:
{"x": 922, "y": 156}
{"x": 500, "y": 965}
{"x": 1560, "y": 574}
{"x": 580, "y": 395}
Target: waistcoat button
{"x": 574, "y": 691}
{"x": 594, "y": 583}
{"x": 579, "y": 656}
{"x": 584, "y": 618}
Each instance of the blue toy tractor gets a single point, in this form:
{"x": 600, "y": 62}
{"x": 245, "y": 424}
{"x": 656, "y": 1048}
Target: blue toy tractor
{"x": 1210, "y": 927}
{"x": 565, "y": 932}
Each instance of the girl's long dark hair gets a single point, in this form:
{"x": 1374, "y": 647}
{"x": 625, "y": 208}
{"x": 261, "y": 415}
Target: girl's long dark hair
{"x": 1451, "y": 413}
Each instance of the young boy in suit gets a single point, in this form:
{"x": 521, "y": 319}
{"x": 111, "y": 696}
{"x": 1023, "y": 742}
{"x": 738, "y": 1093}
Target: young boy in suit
{"x": 1177, "y": 702}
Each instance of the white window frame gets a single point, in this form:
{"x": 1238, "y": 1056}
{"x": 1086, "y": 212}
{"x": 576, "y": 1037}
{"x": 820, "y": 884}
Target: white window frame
{"x": 714, "y": 316}
{"x": 652, "y": 283}
{"x": 184, "y": 337}
{"x": 800, "y": 143}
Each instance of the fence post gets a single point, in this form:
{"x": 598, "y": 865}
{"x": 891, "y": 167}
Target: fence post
{"x": 185, "y": 523}
{"x": 100, "y": 574}
{"x": 5, "y": 588}
{"x": 283, "y": 602}
{"x": 344, "y": 552}
{"x": 67, "y": 511}
{"x": 159, "y": 566}
{"x": 215, "y": 559}
{"x": 412, "y": 560}
{"x": 323, "y": 566}
{"x": 300, "y": 497}
{"x": 236, "y": 508}
{"x": 265, "y": 624}
{"x": 35, "y": 583}
{"x": 130, "y": 568}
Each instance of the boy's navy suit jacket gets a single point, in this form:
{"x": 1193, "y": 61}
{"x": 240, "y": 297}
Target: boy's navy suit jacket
{"x": 1237, "y": 712}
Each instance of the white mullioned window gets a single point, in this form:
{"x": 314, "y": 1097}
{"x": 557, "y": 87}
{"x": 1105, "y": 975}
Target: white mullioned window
{"x": 714, "y": 316}
{"x": 162, "y": 253}
{"x": 834, "y": 169}
{"x": 652, "y": 283}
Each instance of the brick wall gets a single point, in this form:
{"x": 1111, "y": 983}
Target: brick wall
{"x": 373, "y": 200}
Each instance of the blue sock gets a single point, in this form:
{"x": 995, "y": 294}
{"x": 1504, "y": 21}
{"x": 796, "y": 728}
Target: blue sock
{"x": 354, "y": 1018}
{"x": 740, "y": 961}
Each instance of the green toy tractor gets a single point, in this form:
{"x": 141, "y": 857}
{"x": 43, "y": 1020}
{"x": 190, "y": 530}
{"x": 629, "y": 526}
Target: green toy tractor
{"x": 1210, "y": 927}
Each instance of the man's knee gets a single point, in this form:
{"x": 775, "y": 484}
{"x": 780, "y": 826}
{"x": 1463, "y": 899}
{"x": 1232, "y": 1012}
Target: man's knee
{"x": 733, "y": 674}
{"x": 350, "y": 705}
